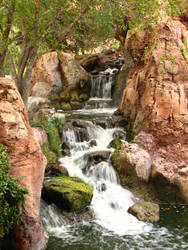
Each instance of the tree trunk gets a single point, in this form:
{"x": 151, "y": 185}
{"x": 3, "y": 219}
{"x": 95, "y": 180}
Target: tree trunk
{"x": 22, "y": 78}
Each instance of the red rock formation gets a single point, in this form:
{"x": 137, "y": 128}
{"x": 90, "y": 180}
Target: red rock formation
{"x": 72, "y": 71}
{"x": 46, "y": 76}
{"x": 156, "y": 97}
{"x": 27, "y": 161}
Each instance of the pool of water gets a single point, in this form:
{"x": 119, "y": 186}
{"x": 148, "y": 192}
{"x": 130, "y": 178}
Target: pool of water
{"x": 170, "y": 233}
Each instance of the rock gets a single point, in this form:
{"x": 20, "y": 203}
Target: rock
{"x": 66, "y": 106}
{"x": 119, "y": 133}
{"x": 34, "y": 105}
{"x": 138, "y": 159}
{"x": 155, "y": 99}
{"x": 72, "y": 72}
{"x": 101, "y": 186}
{"x": 27, "y": 162}
{"x": 40, "y": 135}
{"x": 75, "y": 105}
{"x": 145, "y": 211}
{"x": 86, "y": 214}
{"x": 55, "y": 170}
{"x": 69, "y": 193}
{"x": 92, "y": 143}
{"x": 121, "y": 80}
{"x": 96, "y": 157}
{"x": 46, "y": 76}
{"x": 83, "y": 97}
{"x": 65, "y": 149}
{"x": 65, "y": 96}
{"x": 115, "y": 143}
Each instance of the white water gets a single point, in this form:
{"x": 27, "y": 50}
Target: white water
{"x": 110, "y": 206}
{"x": 110, "y": 201}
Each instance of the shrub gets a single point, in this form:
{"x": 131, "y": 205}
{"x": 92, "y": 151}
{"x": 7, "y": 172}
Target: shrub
{"x": 10, "y": 195}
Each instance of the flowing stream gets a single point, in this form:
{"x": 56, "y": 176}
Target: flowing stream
{"x": 112, "y": 226}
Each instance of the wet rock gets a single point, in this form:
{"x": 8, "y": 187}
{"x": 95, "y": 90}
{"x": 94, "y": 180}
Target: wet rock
{"x": 65, "y": 149}
{"x": 145, "y": 211}
{"x": 86, "y": 214}
{"x": 101, "y": 187}
{"x": 55, "y": 170}
{"x": 101, "y": 123}
{"x": 96, "y": 157}
{"x": 92, "y": 143}
{"x": 66, "y": 106}
{"x": 65, "y": 96}
{"x": 75, "y": 105}
{"x": 69, "y": 193}
{"x": 115, "y": 143}
{"x": 119, "y": 134}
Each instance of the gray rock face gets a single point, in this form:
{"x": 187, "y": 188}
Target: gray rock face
{"x": 145, "y": 211}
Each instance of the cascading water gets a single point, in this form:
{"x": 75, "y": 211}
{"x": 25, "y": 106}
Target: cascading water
{"x": 113, "y": 227}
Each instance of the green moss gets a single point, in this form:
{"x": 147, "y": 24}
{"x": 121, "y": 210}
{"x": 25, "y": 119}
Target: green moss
{"x": 69, "y": 193}
{"x": 157, "y": 190}
{"x": 65, "y": 96}
{"x": 74, "y": 96}
{"x": 83, "y": 97}
{"x": 50, "y": 156}
{"x": 116, "y": 143}
{"x": 66, "y": 106}
{"x": 75, "y": 105}
{"x": 129, "y": 179}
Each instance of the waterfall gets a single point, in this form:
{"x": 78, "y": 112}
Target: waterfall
{"x": 101, "y": 86}
{"x": 110, "y": 203}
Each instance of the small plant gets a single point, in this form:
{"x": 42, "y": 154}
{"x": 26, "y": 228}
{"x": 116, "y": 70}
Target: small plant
{"x": 11, "y": 195}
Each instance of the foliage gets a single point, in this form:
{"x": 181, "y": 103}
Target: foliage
{"x": 52, "y": 128}
{"x": 30, "y": 28}
{"x": 10, "y": 195}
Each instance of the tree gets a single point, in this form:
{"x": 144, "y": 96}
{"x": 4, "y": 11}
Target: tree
{"x": 30, "y": 28}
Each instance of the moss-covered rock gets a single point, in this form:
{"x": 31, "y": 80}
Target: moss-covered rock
{"x": 69, "y": 193}
{"x": 50, "y": 155}
{"x": 83, "y": 97}
{"x": 66, "y": 106}
{"x": 75, "y": 105}
{"x": 145, "y": 211}
{"x": 74, "y": 96}
{"x": 130, "y": 180}
{"x": 115, "y": 143}
{"x": 65, "y": 96}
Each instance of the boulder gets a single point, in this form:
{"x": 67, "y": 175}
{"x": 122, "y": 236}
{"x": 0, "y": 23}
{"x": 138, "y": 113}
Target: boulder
{"x": 46, "y": 76}
{"x": 72, "y": 72}
{"x": 145, "y": 211}
{"x": 155, "y": 99}
{"x": 27, "y": 162}
{"x": 138, "y": 159}
{"x": 69, "y": 193}
{"x": 55, "y": 170}
{"x": 96, "y": 157}
{"x": 115, "y": 143}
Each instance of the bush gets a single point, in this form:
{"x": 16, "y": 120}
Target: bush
{"x": 10, "y": 195}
